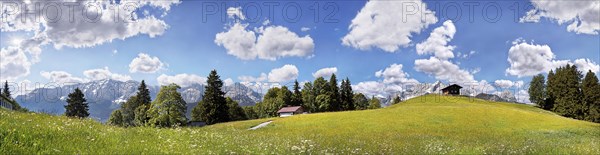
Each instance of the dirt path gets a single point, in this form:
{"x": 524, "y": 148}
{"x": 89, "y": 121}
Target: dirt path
{"x": 261, "y": 125}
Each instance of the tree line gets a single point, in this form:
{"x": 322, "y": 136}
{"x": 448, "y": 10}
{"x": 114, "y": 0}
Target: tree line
{"x": 169, "y": 108}
{"x": 566, "y": 93}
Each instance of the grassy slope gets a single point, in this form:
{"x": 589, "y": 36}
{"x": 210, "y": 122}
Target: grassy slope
{"x": 427, "y": 124}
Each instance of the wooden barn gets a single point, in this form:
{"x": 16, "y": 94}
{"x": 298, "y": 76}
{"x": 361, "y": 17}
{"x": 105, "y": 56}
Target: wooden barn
{"x": 289, "y": 111}
{"x": 452, "y": 90}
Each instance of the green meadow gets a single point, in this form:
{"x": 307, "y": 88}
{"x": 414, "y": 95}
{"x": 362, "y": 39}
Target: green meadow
{"x": 430, "y": 124}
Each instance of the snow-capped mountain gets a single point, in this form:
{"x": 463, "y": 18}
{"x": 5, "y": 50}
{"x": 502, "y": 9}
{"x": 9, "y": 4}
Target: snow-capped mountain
{"x": 104, "y": 96}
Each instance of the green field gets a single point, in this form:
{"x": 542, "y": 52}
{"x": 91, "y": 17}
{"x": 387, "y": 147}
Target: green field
{"x": 425, "y": 125}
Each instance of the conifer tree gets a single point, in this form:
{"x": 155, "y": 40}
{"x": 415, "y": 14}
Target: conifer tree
{"x": 551, "y": 90}
{"x": 76, "y": 105}
{"x": 568, "y": 92}
{"x": 6, "y": 91}
{"x": 297, "y": 96}
{"x": 537, "y": 91}
{"x": 591, "y": 93}
{"x": 346, "y": 95}
{"x": 215, "y": 109}
{"x": 334, "y": 93}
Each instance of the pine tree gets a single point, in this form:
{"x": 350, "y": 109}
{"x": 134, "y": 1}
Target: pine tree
{"x": 591, "y": 93}
{"x": 143, "y": 94}
{"x": 6, "y": 91}
{"x": 568, "y": 86}
{"x": 346, "y": 95}
{"x": 168, "y": 109}
{"x": 76, "y": 105}
{"x": 551, "y": 90}
{"x": 334, "y": 93}
{"x": 215, "y": 109}
{"x": 297, "y": 96}
{"x": 537, "y": 90}
{"x": 360, "y": 101}
{"x": 374, "y": 103}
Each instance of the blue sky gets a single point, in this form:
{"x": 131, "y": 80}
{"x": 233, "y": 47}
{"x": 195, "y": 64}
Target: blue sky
{"x": 188, "y": 44}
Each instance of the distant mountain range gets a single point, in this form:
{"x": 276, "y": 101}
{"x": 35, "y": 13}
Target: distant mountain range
{"x": 104, "y": 96}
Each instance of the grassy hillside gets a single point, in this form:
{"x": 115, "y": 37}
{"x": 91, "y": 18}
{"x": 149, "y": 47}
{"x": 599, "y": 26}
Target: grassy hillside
{"x": 428, "y": 124}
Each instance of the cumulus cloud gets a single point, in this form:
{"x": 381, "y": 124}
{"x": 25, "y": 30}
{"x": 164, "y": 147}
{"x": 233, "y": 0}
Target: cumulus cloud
{"x": 388, "y": 25}
{"x": 582, "y": 17}
{"x": 104, "y": 73}
{"x": 235, "y": 13}
{"x": 437, "y": 43}
{"x": 369, "y": 88}
{"x": 394, "y": 80}
{"x": 585, "y": 65}
{"x": 267, "y": 42}
{"x": 61, "y": 77}
{"x": 394, "y": 75}
{"x": 304, "y": 29}
{"x": 144, "y": 63}
{"x": 443, "y": 70}
{"x": 508, "y": 83}
{"x": 183, "y": 80}
{"x": 325, "y": 72}
{"x": 438, "y": 65}
{"x": 283, "y": 74}
{"x": 527, "y": 59}
{"x": 13, "y": 63}
{"x": 77, "y": 26}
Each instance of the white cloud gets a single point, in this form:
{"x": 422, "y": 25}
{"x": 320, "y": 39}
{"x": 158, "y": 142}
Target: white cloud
{"x": 581, "y": 16}
{"x": 437, "y": 43}
{"x": 265, "y": 42}
{"x": 438, "y": 65}
{"x": 369, "y": 88}
{"x": 14, "y": 63}
{"x": 283, "y": 74}
{"x": 504, "y": 83}
{"x": 235, "y": 13}
{"x": 84, "y": 27}
{"x": 388, "y": 25}
{"x": 394, "y": 75}
{"x": 530, "y": 59}
{"x": 144, "y": 63}
{"x": 304, "y": 29}
{"x": 443, "y": 70}
{"x": 394, "y": 80}
{"x": 104, "y": 73}
{"x": 325, "y": 72}
{"x": 585, "y": 65}
{"x": 61, "y": 77}
{"x": 114, "y": 52}
{"x": 183, "y": 80}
